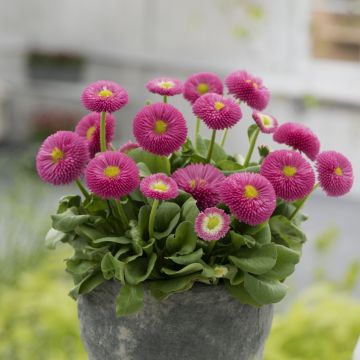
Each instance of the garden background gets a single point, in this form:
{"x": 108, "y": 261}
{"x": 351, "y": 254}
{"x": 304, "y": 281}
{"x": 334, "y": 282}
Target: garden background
{"x": 307, "y": 52}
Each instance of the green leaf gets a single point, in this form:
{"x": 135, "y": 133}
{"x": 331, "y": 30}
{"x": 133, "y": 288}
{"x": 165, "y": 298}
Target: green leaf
{"x": 239, "y": 240}
{"x": 143, "y": 221}
{"x": 129, "y": 300}
{"x": 187, "y": 259}
{"x": 113, "y": 239}
{"x": 89, "y": 232}
{"x": 239, "y": 293}
{"x": 264, "y": 291}
{"x": 228, "y": 165}
{"x": 238, "y": 278}
{"x": 285, "y": 263}
{"x": 256, "y": 260}
{"x": 139, "y": 270}
{"x": 53, "y": 237}
{"x": 88, "y": 284}
{"x": 68, "y": 220}
{"x": 155, "y": 163}
{"x": 189, "y": 211}
{"x": 95, "y": 205}
{"x": 184, "y": 240}
{"x": 218, "y": 153}
{"x": 188, "y": 269}
{"x": 78, "y": 266}
{"x": 167, "y": 217}
{"x": 161, "y": 289}
{"x": 286, "y": 232}
{"x": 251, "y": 130}
{"x": 112, "y": 267}
{"x": 67, "y": 202}
{"x": 143, "y": 169}
{"x": 263, "y": 236}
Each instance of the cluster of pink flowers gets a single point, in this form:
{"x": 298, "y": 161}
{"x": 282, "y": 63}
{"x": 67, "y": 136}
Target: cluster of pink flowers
{"x": 160, "y": 128}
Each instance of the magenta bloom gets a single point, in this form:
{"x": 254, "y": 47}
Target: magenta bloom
{"x": 89, "y": 128}
{"x": 217, "y": 112}
{"x": 212, "y": 224}
{"x": 128, "y": 146}
{"x": 202, "y": 83}
{"x": 267, "y": 124}
{"x": 290, "y": 174}
{"x": 112, "y": 175}
{"x": 249, "y": 89}
{"x": 299, "y": 137}
{"x": 62, "y": 158}
{"x": 104, "y": 96}
{"x": 335, "y": 173}
{"x": 165, "y": 86}
{"x": 159, "y": 187}
{"x": 249, "y": 196}
{"x": 160, "y": 128}
{"x": 201, "y": 182}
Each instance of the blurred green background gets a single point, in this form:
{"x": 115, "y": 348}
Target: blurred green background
{"x": 307, "y": 52}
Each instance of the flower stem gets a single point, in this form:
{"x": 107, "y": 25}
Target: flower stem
{"x": 210, "y": 247}
{"x": 223, "y": 139}
{"x": 103, "y": 132}
{"x": 252, "y": 146}
{"x": 302, "y": 202}
{"x": 211, "y": 146}
{"x": 121, "y": 213}
{"x": 165, "y": 99}
{"x": 152, "y": 218}
{"x": 197, "y": 131}
{"x": 82, "y": 189}
{"x": 112, "y": 147}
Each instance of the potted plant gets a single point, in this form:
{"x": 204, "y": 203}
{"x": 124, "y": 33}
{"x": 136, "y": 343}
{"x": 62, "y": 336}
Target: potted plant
{"x": 180, "y": 249}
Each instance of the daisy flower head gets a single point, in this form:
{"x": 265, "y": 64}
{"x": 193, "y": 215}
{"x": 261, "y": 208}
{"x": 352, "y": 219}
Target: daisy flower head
{"x": 249, "y": 196}
{"x": 165, "y": 86}
{"x": 105, "y": 96}
{"x": 111, "y": 175}
{"x": 202, "y": 83}
{"x": 212, "y": 224}
{"x": 291, "y": 176}
{"x": 202, "y": 182}
{"x": 128, "y": 146}
{"x": 248, "y": 88}
{"x": 89, "y": 128}
{"x": 267, "y": 124}
{"x": 335, "y": 173}
{"x": 160, "y": 128}
{"x": 159, "y": 186}
{"x": 217, "y": 112}
{"x": 62, "y": 158}
{"x": 299, "y": 137}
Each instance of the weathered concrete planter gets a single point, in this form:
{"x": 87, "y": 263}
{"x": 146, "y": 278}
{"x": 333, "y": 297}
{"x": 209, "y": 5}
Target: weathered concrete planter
{"x": 203, "y": 323}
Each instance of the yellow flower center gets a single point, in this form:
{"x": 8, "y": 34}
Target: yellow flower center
{"x": 104, "y": 93}
{"x": 250, "y": 192}
{"x": 166, "y": 84}
{"x": 289, "y": 171}
{"x": 338, "y": 171}
{"x": 160, "y": 186}
{"x": 90, "y": 132}
{"x": 57, "y": 155}
{"x": 253, "y": 83}
{"x": 266, "y": 121}
{"x": 219, "y": 105}
{"x": 111, "y": 171}
{"x": 202, "y": 88}
{"x": 160, "y": 126}
{"x": 213, "y": 222}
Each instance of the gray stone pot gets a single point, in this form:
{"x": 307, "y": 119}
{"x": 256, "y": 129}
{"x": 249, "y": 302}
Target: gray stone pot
{"x": 204, "y": 323}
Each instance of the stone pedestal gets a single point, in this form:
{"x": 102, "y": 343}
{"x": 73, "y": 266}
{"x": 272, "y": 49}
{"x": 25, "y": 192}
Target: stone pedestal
{"x": 205, "y": 323}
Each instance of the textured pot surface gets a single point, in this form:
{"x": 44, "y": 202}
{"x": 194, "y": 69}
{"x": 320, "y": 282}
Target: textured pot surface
{"x": 205, "y": 323}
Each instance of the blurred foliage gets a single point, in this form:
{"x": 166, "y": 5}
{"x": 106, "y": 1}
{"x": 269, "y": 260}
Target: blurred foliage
{"x": 38, "y": 320}
{"x": 324, "y": 324}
